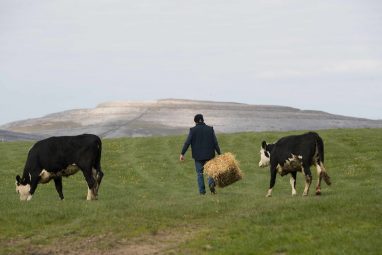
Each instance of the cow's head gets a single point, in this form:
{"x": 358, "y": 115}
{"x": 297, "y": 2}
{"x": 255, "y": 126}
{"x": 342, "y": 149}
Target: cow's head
{"x": 23, "y": 188}
{"x": 265, "y": 155}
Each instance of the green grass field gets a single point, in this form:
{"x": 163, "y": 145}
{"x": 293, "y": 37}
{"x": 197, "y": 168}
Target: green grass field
{"x": 149, "y": 203}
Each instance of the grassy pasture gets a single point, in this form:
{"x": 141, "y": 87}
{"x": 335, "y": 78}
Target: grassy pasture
{"x": 149, "y": 202}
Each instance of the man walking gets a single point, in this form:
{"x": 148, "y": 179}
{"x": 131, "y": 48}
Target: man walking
{"x": 203, "y": 143}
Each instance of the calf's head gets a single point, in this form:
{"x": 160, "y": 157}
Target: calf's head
{"x": 22, "y": 188}
{"x": 265, "y": 155}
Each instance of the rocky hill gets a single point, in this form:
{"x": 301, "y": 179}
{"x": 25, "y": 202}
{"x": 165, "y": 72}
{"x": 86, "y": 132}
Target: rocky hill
{"x": 9, "y": 136}
{"x": 172, "y": 116}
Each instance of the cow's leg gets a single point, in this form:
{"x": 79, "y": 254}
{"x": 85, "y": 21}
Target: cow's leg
{"x": 91, "y": 195}
{"x": 34, "y": 182}
{"x": 308, "y": 178}
{"x": 99, "y": 174}
{"x": 99, "y": 177}
{"x": 273, "y": 180}
{"x": 94, "y": 174}
{"x": 319, "y": 171}
{"x": 58, "y": 185}
{"x": 91, "y": 183}
{"x": 292, "y": 181}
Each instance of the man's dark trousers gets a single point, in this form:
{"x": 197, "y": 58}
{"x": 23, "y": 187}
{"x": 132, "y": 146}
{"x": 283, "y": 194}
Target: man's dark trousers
{"x": 199, "y": 166}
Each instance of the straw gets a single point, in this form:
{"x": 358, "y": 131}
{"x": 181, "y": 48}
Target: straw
{"x": 224, "y": 169}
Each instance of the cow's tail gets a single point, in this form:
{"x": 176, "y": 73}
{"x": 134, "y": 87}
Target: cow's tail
{"x": 320, "y": 152}
{"x": 320, "y": 148}
{"x": 97, "y": 163}
{"x": 326, "y": 177}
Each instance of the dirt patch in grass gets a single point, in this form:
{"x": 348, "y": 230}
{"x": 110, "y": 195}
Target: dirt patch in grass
{"x": 161, "y": 242}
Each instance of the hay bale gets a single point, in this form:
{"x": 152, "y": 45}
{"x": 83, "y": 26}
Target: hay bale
{"x": 224, "y": 169}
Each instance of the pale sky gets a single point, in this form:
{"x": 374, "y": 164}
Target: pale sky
{"x": 315, "y": 55}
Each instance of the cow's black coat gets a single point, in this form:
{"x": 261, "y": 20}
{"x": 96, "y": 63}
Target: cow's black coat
{"x": 305, "y": 150}
{"x": 55, "y": 154}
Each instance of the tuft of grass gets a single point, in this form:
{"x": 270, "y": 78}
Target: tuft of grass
{"x": 146, "y": 192}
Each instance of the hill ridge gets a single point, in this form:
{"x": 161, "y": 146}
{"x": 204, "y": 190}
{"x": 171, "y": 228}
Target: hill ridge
{"x": 174, "y": 116}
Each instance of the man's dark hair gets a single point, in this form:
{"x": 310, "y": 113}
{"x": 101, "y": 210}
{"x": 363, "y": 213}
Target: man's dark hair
{"x": 198, "y": 118}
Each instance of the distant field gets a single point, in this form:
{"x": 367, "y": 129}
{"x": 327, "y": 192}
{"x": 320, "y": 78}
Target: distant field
{"x": 148, "y": 203}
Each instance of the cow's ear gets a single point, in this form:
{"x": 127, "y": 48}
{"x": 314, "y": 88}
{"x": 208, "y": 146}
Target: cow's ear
{"x": 18, "y": 180}
{"x": 264, "y": 145}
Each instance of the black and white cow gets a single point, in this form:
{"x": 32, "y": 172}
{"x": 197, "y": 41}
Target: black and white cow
{"x": 59, "y": 156}
{"x": 292, "y": 154}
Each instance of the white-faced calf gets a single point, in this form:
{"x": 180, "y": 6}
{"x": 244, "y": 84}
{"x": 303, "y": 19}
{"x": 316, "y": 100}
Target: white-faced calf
{"x": 292, "y": 154}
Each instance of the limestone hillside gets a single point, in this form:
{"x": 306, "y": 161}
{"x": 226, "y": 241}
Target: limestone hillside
{"x": 173, "y": 116}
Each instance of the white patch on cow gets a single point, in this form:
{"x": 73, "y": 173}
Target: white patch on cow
{"x": 319, "y": 169}
{"x": 91, "y": 195}
{"x": 23, "y": 191}
{"x": 269, "y": 193}
{"x": 264, "y": 160}
{"x": 45, "y": 176}
{"x": 306, "y": 189}
{"x": 292, "y": 164}
{"x": 292, "y": 181}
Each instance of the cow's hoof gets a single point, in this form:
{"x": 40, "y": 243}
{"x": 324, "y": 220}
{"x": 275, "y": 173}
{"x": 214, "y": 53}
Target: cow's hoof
{"x": 305, "y": 194}
{"x": 268, "y": 195}
{"x": 294, "y": 194}
{"x": 318, "y": 192}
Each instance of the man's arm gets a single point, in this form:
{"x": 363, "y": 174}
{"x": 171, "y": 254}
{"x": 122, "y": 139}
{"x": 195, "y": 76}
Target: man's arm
{"x": 216, "y": 144}
{"x": 186, "y": 145}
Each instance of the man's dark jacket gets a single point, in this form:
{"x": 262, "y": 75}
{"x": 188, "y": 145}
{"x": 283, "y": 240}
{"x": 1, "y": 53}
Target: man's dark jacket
{"x": 203, "y": 142}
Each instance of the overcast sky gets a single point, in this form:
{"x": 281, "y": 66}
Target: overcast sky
{"x": 60, "y": 55}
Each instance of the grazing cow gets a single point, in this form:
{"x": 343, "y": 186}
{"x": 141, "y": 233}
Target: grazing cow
{"x": 55, "y": 157}
{"x": 292, "y": 154}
